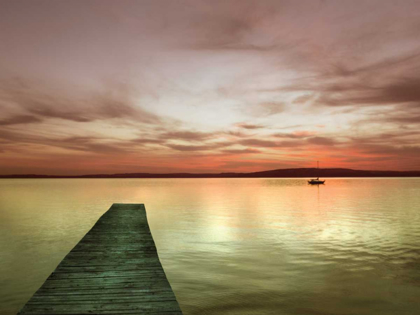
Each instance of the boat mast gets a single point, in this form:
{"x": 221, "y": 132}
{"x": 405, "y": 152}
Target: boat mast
{"x": 317, "y": 166}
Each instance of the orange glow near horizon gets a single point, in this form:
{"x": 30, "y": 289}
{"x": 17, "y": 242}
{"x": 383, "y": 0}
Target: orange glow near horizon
{"x": 235, "y": 86}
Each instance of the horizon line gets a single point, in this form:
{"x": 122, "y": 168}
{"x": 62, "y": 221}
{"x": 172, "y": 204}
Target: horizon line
{"x": 380, "y": 173}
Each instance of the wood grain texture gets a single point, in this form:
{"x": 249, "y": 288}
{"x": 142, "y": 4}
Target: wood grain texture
{"x": 114, "y": 269}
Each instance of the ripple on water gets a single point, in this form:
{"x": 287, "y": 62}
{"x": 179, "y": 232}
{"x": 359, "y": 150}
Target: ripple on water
{"x": 243, "y": 246}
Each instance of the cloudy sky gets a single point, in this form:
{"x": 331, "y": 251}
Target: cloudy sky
{"x": 102, "y": 86}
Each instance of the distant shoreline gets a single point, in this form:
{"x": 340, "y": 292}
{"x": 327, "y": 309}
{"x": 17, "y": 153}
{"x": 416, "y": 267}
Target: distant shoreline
{"x": 280, "y": 173}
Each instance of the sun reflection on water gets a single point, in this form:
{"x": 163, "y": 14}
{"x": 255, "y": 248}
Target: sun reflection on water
{"x": 234, "y": 246}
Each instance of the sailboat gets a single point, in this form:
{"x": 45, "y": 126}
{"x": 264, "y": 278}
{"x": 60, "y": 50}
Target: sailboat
{"x": 316, "y": 181}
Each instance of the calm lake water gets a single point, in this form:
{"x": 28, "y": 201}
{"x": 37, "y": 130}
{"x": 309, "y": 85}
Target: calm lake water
{"x": 234, "y": 246}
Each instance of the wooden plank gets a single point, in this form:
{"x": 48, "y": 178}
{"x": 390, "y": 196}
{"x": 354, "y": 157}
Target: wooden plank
{"x": 114, "y": 269}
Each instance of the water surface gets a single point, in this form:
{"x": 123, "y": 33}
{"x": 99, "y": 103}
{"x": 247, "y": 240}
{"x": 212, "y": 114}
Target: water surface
{"x": 234, "y": 246}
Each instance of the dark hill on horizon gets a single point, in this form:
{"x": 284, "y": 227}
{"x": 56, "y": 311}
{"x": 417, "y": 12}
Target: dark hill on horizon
{"x": 279, "y": 173}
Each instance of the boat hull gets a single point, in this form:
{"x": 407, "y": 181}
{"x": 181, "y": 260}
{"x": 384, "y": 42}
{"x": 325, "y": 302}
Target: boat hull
{"x": 316, "y": 182}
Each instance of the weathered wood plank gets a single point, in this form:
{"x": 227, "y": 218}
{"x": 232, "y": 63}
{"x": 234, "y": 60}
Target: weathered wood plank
{"x": 114, "y": 269}
{"x": 100, "y": 291}
{"x": 99, "y": 281}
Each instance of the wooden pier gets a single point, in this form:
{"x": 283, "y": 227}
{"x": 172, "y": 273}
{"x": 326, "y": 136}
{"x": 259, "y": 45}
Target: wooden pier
{"x": 114, "y": 269}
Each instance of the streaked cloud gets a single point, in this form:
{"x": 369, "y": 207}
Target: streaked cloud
{"x": 241, "y": 151}
{"x": 249, "y": 126}
{"x": 235, "y": 85}
{"x": 322, "y": 141}
{"x": 40, "y": 102}
{"x": 20, "y": 119}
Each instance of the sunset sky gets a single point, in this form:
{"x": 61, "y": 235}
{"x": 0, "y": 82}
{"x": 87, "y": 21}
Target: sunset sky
{"x": 102, "y": 86}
